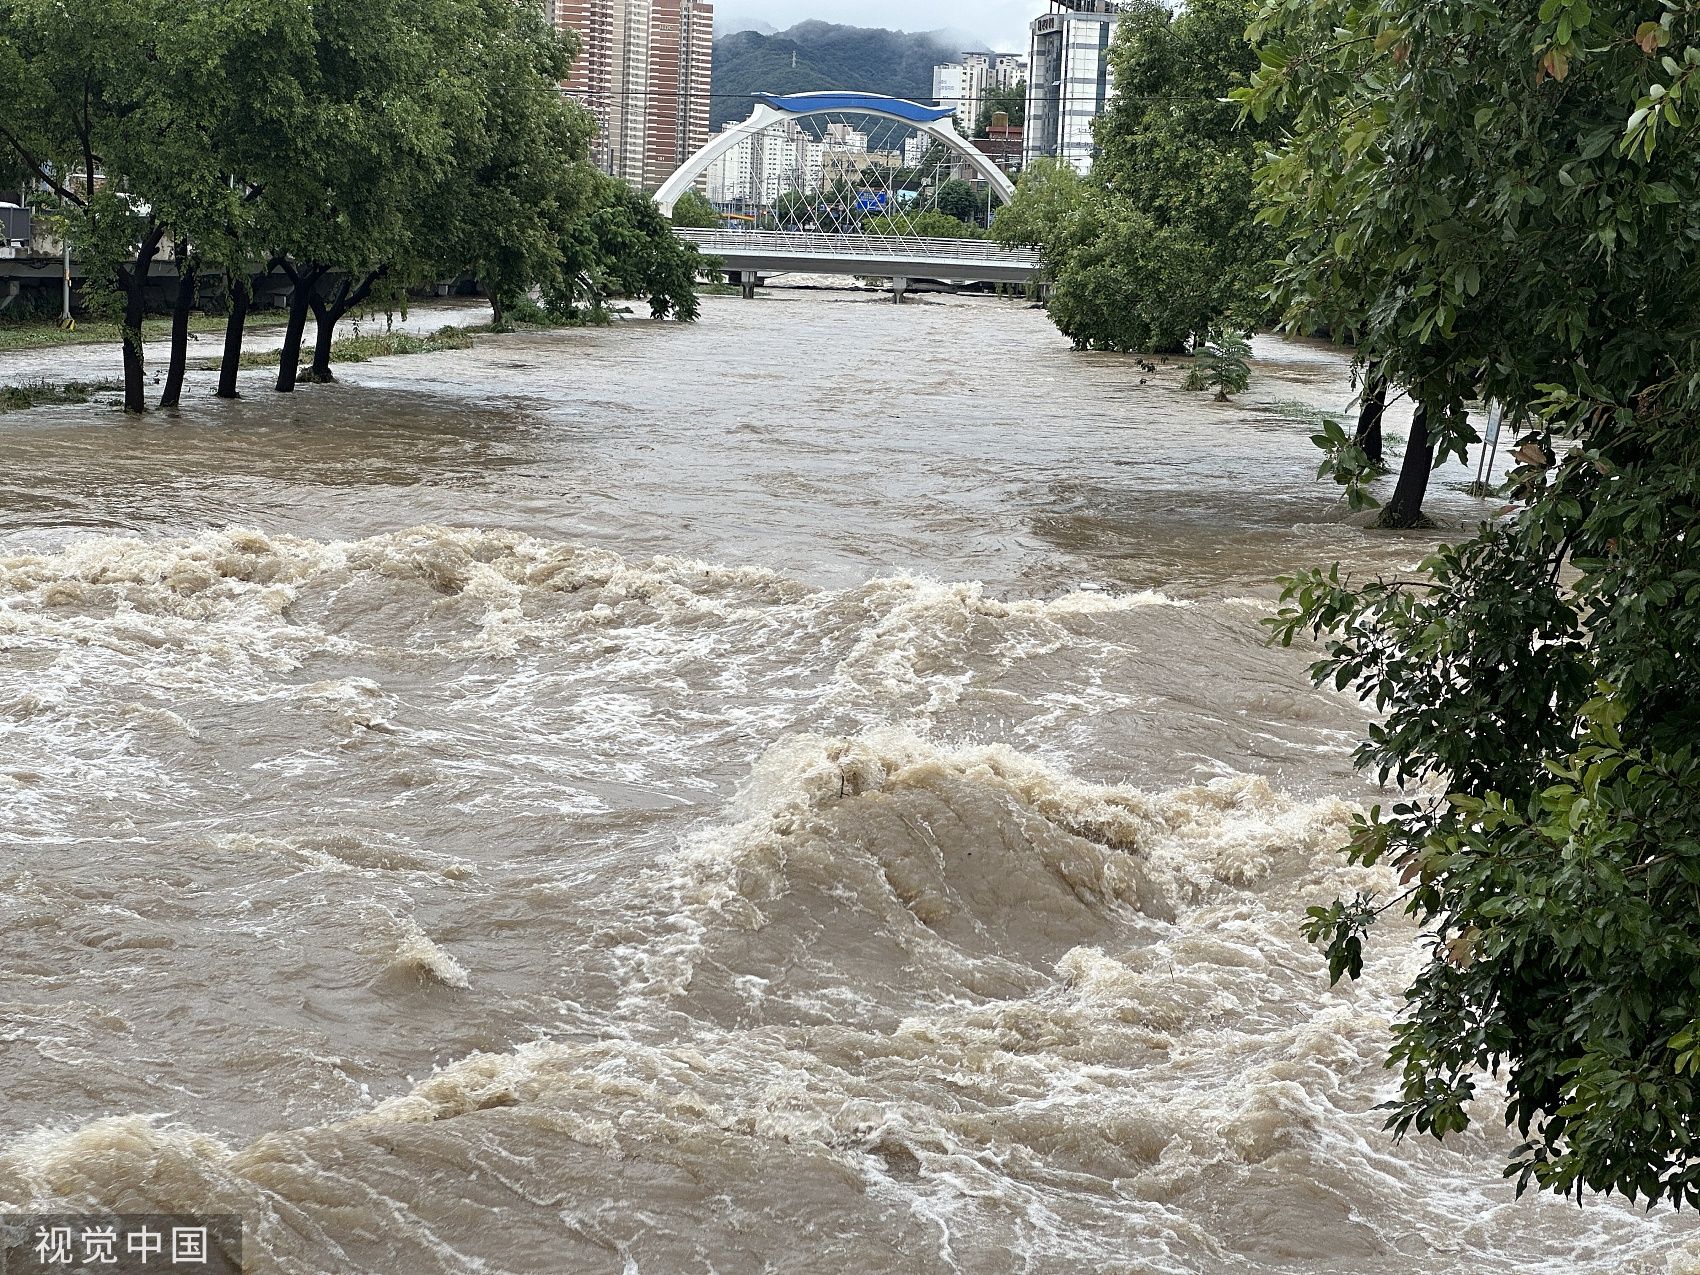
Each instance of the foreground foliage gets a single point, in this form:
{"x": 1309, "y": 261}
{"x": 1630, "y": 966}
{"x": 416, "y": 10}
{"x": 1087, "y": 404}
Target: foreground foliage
{"x": 1503, "y": 203}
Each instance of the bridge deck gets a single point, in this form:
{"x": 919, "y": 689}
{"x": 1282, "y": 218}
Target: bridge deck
{"x": 882, "y": 256}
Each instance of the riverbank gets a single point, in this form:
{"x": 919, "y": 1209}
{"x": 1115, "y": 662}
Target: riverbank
{"x": 92, "y": 354}
{"x": 46, "y": 334}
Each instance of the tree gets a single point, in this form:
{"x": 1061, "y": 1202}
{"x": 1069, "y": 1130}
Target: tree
{"x": 957, "y": 198}
{"x": 1011, "y": 101}
{"x": 253, "y": 86}
{"x": 1505, "y": 204}
{"x": 1159, "y": 246}
{"x": 518, "y": 170}
{"x": 694, "y": 210}
{"x": 624, "y": 247}
{"x": 927, "y": 224}
{"x": 75, "y": 81}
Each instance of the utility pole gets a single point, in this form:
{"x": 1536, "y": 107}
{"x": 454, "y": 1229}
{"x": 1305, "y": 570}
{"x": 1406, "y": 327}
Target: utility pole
{"x": 66, "y": 322}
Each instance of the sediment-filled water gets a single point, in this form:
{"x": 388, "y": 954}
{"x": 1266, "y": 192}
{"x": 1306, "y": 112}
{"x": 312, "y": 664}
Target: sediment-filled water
{"x": 805, "y": 792}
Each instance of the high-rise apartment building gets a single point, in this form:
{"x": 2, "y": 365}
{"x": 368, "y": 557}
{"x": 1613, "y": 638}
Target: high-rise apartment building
{"x": 1068, "y": 80}
{"x": 758, "y": 170}
{"x": 963, "y": 85}
{"x": 1007, "y": 70}
{"x": 643, "y": 70}
{"x": 958, "y": 86}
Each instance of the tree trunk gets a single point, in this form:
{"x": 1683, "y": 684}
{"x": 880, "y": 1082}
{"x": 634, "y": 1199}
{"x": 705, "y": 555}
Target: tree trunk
{"x": 241, "y": 297}
{"x": 329, "y": 315}
{"x": 498, "y": 319}
{"x": 1405, "y": 510}
{"x": 186, "y": 281}
{"x": 300, "y": 300}
{"x": 1374, "y": 408}
{"x": 325, "y": 318}
{"x": 134, "y": 284}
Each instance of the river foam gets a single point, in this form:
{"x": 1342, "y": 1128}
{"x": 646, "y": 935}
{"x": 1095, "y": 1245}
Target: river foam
{"x": 479, "y": 901}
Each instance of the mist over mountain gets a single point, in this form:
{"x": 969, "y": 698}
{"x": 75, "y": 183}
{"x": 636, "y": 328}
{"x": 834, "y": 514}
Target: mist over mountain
{"x": 814, "y": 56}
{"x": 725, "y": 25}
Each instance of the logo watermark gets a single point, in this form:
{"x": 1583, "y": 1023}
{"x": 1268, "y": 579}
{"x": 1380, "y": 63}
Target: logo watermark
{"x": 119, "y": 1244}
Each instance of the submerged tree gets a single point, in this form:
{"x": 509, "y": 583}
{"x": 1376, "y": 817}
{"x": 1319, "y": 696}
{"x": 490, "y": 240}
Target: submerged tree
{"x": 1506, "y": 203}
{"x": 519, "y": 172}
{"x": 1223, "y": 365}
{"x": 72, "y": 78}
{"x": 235, "y": 136}
{"x": 1175, "y": 149}
{"x": 623, "y": 248}
{"x": 229, "y": 65}
{"x": 375, "y": 137}
{"x": 1159, "y": 246}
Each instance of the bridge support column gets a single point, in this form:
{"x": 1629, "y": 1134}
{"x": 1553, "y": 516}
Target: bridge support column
{"x": 898, "y": 288}
{"x": 749, "y": 279}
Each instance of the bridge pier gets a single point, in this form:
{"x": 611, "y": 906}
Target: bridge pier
{"x": 746, "y": 280}
{"x": 898, "y": 287}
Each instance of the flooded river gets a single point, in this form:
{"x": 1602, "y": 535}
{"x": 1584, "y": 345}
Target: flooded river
{"x": 803, "y": 792}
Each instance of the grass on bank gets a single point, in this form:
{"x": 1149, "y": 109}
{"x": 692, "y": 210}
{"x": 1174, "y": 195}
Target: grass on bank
{"x": 362, "y": 349}
{"x": 20, "y": 398}
{"x": 44, "y": 334}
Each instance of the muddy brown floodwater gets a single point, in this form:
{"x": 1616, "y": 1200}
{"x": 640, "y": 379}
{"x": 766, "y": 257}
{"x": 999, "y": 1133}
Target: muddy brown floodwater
{"x": 804, "y": 792}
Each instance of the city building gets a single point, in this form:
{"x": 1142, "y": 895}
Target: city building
{"x": 1008, "y": 70}
{"x": 755, "y": 172}
{"x": 1068, "y": 80}
{"x": 953, "y": 86}
{"x": 1003, "y": 143}
{"x": 643, "y": 71}
{"x": 963, "y": 85}
{"x": 759, "y": 169}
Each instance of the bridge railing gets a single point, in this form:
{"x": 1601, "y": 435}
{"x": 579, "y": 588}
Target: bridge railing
{"x": 809, "y": 243}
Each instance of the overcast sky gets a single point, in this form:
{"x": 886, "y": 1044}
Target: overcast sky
{"x": 999, "y": 24}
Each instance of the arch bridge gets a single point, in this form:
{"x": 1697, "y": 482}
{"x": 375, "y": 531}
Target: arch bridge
{"x": 750, "y": 254}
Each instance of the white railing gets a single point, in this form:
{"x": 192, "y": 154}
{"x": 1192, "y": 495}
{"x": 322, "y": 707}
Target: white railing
{"x": 902, "y": 247}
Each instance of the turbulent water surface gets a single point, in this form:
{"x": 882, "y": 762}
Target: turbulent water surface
{"x": 804, "y": 792}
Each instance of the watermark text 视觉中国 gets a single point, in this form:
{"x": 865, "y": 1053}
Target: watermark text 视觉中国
{"x": 119, "y": 1244}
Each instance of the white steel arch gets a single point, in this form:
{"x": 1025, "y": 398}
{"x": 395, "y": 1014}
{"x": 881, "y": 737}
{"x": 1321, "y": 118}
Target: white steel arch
{"x": 776, "y": 110}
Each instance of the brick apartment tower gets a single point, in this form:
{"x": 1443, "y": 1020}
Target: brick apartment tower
{"x": 643, "y": 70}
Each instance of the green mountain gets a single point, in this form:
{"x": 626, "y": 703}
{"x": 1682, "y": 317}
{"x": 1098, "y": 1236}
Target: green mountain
{"x": 813, "y": 56}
